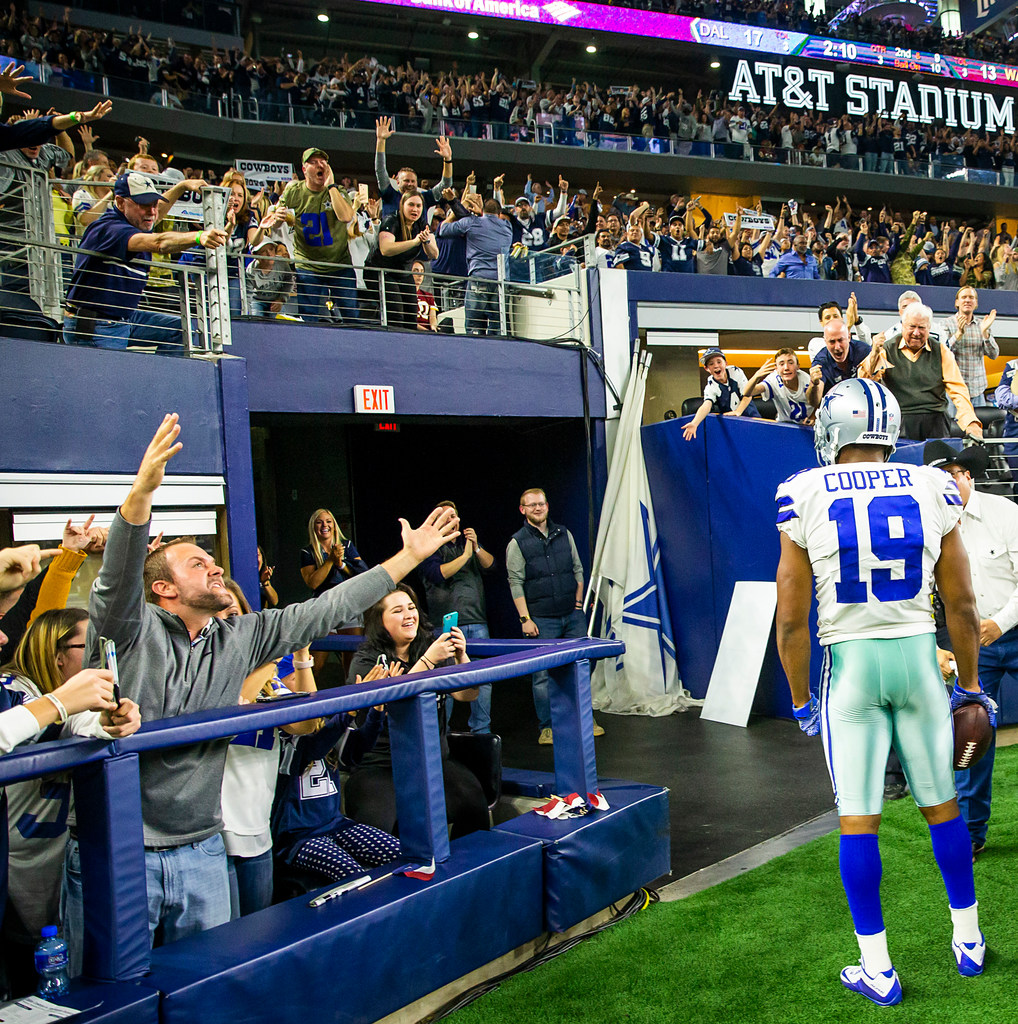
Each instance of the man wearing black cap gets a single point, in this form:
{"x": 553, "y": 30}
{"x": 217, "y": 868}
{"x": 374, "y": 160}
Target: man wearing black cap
{"x": 112, "y": 268}
{"x": 724, "y": 390}
{"x": 989, "y": 528}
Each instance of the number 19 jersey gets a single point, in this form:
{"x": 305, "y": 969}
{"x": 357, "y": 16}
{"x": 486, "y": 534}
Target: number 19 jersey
{"x": 872, "y": 531}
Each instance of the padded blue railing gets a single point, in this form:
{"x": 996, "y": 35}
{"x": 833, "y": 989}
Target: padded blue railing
{"x": 108, "y": 799}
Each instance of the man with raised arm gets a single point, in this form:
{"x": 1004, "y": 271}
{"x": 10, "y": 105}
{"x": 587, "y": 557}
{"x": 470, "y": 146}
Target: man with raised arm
{"x": 111, "y": 270}
{"x": 390, "y": 189}
{"x": 176, "y": 657}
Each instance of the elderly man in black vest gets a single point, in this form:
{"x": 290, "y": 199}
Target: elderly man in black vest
{"x": 546, "y": 582}
{"x": 922, "y": 374}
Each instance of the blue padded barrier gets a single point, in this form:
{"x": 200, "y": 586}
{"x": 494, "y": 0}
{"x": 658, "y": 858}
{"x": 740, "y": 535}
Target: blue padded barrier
{"x": 715, "y": 517}
{"x": 595, "y": 860}
{"x": 572, "y": 721}
{"x": 365, "y": 954}
{"x": 111, "y": 845}
{"x": 118, "y": 925}
{"x": 111, "y": 1004}
{"x": 417, "y": 776}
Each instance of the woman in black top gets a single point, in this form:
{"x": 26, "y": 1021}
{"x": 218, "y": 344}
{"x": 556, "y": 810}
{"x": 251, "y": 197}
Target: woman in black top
{"x": 330, "y": 557}
{"x": 328, "y": 560}
{"x": 393, "y": 627}
{"x": 403, "y": 238}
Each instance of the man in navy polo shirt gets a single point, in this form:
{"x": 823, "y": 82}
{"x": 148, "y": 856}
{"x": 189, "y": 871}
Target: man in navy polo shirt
{"x": 112, "y": 268}
{"x": 839, "y": 360}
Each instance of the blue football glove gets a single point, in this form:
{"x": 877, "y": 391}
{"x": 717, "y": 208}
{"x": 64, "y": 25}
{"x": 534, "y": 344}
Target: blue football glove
{"x": 808, "y": 716}
{"x": 960, "y": 697}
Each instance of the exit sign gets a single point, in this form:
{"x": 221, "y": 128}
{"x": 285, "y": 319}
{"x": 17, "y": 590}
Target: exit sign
{"x": 374, "y": 398}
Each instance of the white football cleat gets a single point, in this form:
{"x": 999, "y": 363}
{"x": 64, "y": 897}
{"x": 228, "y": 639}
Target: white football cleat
{"x": 969, "y": 956}
{"x": 883, "y": 989}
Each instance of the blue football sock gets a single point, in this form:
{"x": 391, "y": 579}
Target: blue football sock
{"x": 952, "y": 847}
{"x": 861, "y": 870}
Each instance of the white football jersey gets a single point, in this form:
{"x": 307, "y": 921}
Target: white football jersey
{"x": 791, "y": 405}
{"x": 872, "y": 531}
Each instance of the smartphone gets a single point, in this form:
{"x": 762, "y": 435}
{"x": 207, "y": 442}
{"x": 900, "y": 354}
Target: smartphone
{"x": 383, "y": 661}
{"x": 472, "y": 190}
{"x": 449, "y": 621}
{"x": 362, "y": 191}
{"x": 109, "y": 656}
{"x": 277, "y": 695}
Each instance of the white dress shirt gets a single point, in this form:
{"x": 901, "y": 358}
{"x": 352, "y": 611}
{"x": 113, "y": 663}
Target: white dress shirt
{"x": 989, "y": 528}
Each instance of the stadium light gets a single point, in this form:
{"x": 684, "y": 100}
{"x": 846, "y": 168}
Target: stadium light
{"x": 715, "y": 64}
{"x": 323, "y": 18}
{"x": 591, "y": 48}
{"x": 472, "y": 35}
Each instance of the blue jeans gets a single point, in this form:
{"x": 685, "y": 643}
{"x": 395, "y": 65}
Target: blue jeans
{"x": 187, "y": 886}
{"x": 313, "y": 289}
{"x": 141, "y": 325}
{"x": 188, "y": 889}
{"x": 72, "y": 907}
{"x": 975, "y": 784}
{"x": 250, "y": 884}
{"x": 557, "y": 627}
{"x": 886, "y": 164}
{"x": 482, "y": 307}
{"x": 480, "y": 709}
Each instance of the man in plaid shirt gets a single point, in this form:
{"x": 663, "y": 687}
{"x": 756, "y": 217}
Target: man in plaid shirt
{"x": 970, "y": 342}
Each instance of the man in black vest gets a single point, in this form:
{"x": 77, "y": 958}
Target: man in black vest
{"x": 922, "y": 374}
{"x": 546, "y": 582}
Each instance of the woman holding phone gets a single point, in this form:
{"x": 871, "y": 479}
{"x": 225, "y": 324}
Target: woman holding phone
{"x": 45, "y": 672}
{"x": 395, "y": 630}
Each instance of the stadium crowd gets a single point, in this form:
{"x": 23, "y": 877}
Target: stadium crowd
{"x": 325, "y": 249}
{"x": 346, "y": 92}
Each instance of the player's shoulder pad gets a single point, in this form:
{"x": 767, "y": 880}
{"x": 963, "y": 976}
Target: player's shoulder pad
{"x": 801, "y": 472}
{"x": 941, "y": 482}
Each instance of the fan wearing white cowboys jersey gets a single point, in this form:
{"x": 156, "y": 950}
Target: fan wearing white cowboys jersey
{"x": 780, "y": 381}
{"x": 874, "y": 535}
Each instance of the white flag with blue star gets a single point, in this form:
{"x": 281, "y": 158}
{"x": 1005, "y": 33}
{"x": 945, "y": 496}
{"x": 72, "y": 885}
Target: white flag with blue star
{"x": 628, "y": 581}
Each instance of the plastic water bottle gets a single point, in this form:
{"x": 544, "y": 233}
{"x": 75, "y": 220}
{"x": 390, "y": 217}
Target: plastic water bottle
{"x": 51, "y": 964}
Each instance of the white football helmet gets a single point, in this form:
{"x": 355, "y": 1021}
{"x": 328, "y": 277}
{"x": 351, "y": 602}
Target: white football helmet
{"x": 856, "y": 411}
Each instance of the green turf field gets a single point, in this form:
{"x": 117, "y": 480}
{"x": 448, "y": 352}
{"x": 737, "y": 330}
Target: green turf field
{"x": 770, "y": 944}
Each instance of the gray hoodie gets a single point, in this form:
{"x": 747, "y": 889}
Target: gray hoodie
{"x": 168, "y": 675}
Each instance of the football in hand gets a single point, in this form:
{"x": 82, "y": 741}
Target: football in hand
{"x": 972, "y": 735}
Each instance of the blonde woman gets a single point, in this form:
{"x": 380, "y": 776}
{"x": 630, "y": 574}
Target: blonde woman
{"x": 91, "y": 201}
{"x": 330, "y": 557}
{"x": 45, "y": 664}
{"x": 328, "y": 560}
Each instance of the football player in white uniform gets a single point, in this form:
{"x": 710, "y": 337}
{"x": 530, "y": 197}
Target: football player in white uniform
{"x": 875, "y": 535}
